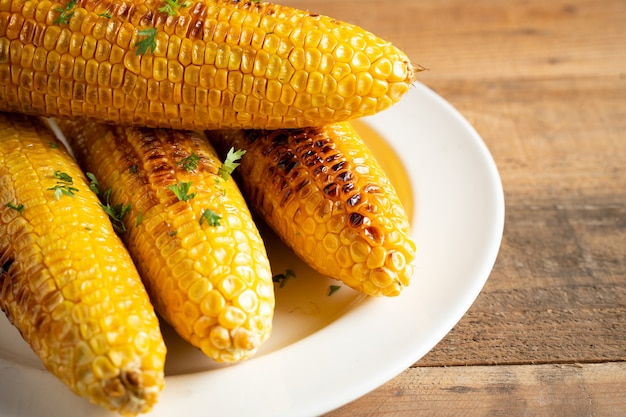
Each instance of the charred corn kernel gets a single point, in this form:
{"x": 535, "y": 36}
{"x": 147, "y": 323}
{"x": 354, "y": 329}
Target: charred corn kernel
{"x": 62, "y": 58}
{"x": 328, "y": 199}
{"x": 208, "y": 276}
{"x": 66, "y": 280}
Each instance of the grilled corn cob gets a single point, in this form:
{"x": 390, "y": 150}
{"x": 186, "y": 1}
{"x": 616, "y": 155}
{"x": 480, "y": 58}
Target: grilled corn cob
{"x": 324, "y": 194}
{"x": 207, "y": 64}
{"x": 66, "y": 281}
{"x": 189, "y": 231}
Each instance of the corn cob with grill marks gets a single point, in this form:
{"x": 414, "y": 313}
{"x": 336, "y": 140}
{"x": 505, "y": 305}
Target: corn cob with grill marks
{"x": 213, "y": 64}
{"x": 328, "y": 199}
{"x": 209, "y": 277}
{"x": 66, "y": 281}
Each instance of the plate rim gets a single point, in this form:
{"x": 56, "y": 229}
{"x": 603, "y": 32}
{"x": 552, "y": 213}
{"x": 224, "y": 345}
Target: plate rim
{"x": 179, "y": 384}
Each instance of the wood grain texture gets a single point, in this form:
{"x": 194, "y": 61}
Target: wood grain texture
{"x": 558, "y": 288}
{"x": 489, "y": 39}
{"x": 544, "y": 84}
{"x": 477, "y": 391}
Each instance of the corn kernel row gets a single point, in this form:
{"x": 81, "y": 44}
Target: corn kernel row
{"x": 326, "y": 196}
{"x": 66, "y": 280}
{"x": 215, "y": 64}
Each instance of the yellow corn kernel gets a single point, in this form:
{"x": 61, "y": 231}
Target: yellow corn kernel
{"x": 66, "y": 280}
{"x": 208, "y": 280}
{"x": 287, "y": 49}
{"x": 324, "y": 194}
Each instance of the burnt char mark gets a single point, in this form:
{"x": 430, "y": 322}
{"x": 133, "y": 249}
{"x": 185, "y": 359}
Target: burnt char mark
{"x": 312, "y": 159}
{"x": 338, "y": 166}
{"x": 302, "y": 184}
{"x": 196, "y": 29}
{"x": 4, "y": 271}
{"x": 320, "y": 143}
{"x": 255, "y": 6}
{"x": 124, "y": 10}
{"x": 179, "y": 145}
{"x": 345, "y": 176}
{"x": 286, "y": 197}
{"x": 348, "y": 188}
{"x": 355, "y": 219}
{"x": 319, "y": 170}
{"x": 332, "y": 190}
{"x": 280, "y": 139}
{"x": 354, "y": 200}
{"x": 147, "y": 18}
{"x": 155, "y": 160}
{"x": 6, "y": 265}
{"x": 252, "y": 135}
{"x": 285, "y": 160}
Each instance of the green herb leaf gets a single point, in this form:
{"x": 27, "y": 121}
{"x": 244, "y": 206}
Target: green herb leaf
{"x": 139, "y": 219}
{"x": 211, "y": 217}
{"x": 171, "y": 7}
{"x": 281, "y": 279}
{"x": 333, "y": 289}
{"x": 63, "y": 185}
{"x": 147, "y": 43}
{"x": 94, "y": 185}
{"x": 106, "y": 14}
{"x": 115, "y": 212}
{"x": 181, "y": 190}
{"x": 232, "y": 161}
{"x": 190, "y": 162}
{"x": 19, "y": 208}
{"x": 63, "y": 189}
{"x": 65, "y": 13}
{"x": 62, "y": 176}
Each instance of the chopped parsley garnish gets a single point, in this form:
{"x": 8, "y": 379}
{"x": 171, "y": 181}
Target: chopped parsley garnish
{"x": 139, "y": 219}
{"x": 116, "y": 212}
{"x": 281, "y": 279}
{"x": 181, "y": 190}
{"x": 63, "y": 185}
{"x": 190, "y": 162}
{"x": 66, "y": 13}
{"x": 333, "y": 289}
{"x": 54, "y": 145}
{"x": 106, "y": 14}
{"x": 94, "y": 185}
{"x": 171, "y": 7}
{"x": 63, "y": 189}
{"x": 133, "y": 169}
{"x": 147, "y": 43}
{"x": 232, "y": 161}
{"x": 19, "y": 207}
{"x": 211, "y": 217}
{"x": 62, "y": 176}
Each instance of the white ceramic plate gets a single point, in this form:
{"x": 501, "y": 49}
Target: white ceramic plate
{"x": 326, "y": 351}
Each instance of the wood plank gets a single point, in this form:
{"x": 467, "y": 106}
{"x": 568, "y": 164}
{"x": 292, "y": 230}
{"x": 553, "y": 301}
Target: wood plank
{"x": 558, "y": 289}
{"x": 544, "y": 85}
{"x": 475, "y": 391}
{"x": 549, "y": 103}
{"x": 484, "y": 39}
{"x": 550, "y": 138}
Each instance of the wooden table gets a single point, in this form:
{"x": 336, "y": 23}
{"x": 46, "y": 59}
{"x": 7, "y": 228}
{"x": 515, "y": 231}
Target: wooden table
{"x": 544, "y": 84}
